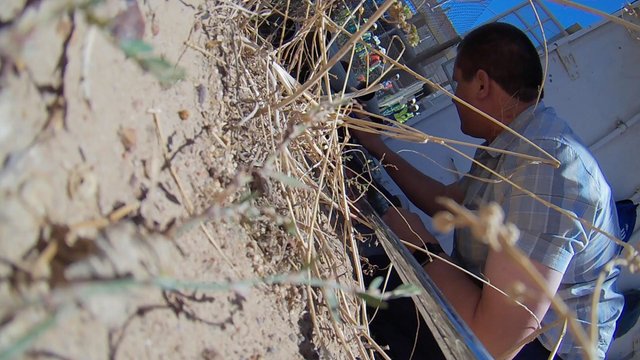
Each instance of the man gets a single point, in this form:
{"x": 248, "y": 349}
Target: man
{"x": 498, "y": 71}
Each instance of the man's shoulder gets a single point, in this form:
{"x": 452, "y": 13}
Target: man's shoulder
{"x": 547, "y": 125}
{"x": 577, "y": 165}
{"x": 552, "y": 134}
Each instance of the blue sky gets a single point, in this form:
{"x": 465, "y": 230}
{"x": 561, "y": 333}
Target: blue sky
{"x": 566, "y": 15}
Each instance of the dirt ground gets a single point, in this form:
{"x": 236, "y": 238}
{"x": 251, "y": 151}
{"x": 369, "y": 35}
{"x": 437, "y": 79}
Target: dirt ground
{"x": 104, "y": 172}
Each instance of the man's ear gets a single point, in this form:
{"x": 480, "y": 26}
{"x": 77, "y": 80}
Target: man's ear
{"x": 484, "y": 83}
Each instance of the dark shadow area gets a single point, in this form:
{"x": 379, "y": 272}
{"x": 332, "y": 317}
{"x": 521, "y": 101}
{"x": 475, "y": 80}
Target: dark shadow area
{"x": 307, "y": 348}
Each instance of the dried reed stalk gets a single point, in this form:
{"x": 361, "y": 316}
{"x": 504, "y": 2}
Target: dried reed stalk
{"x": 334, "y": 60}
{"x": 627, "y": 24}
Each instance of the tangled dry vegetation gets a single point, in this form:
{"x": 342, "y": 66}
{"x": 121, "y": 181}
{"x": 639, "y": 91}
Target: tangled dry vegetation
{"x": 197, "y": 210}
{"x": 158, "y": 211}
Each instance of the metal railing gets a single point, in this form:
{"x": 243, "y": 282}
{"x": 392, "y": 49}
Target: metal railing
{"x": 454, "y": 337}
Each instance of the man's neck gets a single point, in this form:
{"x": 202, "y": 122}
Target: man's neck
{"x": 506, "y": 112}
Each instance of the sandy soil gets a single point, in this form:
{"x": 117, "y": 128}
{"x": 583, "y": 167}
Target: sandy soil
{"x": 102, "y": 169}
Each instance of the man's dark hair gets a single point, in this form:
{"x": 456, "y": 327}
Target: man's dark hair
{"x": 508, "y": 57}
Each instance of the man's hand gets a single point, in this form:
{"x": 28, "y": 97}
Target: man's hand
{"x": 372, "y": 142}
{"x": 419, "y": 188}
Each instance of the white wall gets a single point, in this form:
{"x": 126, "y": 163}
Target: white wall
{"x": 594, "y": 83}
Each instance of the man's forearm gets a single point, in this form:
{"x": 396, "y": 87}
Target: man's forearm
{"x": 461, "y": 292}
{"x": 421, "y": 189}
{"x": 458, "y": 288}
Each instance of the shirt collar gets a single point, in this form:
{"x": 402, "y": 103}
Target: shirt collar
{"x": 519, "y": 125}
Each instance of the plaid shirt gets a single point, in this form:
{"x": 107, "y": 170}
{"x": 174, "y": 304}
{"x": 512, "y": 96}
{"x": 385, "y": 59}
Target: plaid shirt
{"x": 546, "y": 236}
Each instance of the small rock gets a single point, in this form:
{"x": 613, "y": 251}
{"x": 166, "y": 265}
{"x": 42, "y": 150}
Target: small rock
{"x": 82, "y": 183}
{"x": 128, "y": 138}
{"x": 212, "y": 44}
{"x": 128, "y": 24}
{"x": 155, "y": 26}
{"x": 183, "y": 114}
{"x": 201, "y": 90}
{"x": 209, "y": 354}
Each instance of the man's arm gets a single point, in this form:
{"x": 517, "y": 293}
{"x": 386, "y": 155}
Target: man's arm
{"x": 496, "y": 320}
{"x": 421, "y": 189}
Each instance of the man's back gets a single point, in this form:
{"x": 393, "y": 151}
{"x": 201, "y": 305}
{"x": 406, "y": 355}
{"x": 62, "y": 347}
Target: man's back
{"x": 547, "y": 236}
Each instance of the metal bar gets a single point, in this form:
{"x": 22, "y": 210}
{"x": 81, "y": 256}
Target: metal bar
{"x": 620, "y": 129}
{"x": 551, "y": 16}
{"x": 529, "y": 28}
{"x": 454, "y": 337}
{"x": 505, "y": 13}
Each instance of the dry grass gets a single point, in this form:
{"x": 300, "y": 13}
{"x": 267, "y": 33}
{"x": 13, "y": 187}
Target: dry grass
{"x": 300, "y": 168}
{"x": 630, "y": 255}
